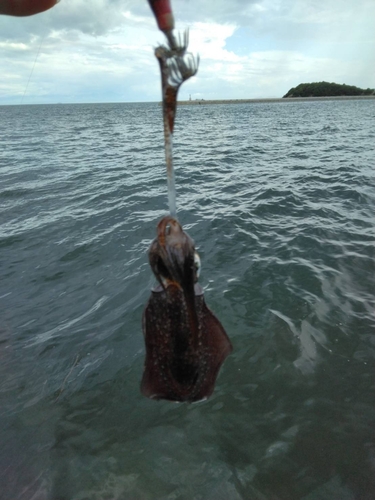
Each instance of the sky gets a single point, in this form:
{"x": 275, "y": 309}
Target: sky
{"x": 102, "y": 50}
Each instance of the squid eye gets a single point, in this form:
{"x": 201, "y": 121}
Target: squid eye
{"x": 197, "y": 265}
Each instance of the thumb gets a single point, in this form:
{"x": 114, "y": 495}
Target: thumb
{"x": 25, "y": 7}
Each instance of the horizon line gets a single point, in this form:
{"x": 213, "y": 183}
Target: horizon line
{"x": 206, "y": 101}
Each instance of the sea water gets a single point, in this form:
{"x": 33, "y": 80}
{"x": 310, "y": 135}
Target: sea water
{"x": 279, "y": 198}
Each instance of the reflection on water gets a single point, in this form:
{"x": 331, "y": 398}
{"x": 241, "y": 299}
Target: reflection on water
{"x": 279, "y": 200}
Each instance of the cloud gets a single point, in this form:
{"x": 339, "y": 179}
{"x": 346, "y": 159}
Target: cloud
{"x": 102, "y": 50}
{"x": 266, "y": 74}
{"x": 95, "y": 18}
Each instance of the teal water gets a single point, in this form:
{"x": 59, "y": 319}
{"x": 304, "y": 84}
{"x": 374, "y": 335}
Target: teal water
{"x": 279, "y": 199}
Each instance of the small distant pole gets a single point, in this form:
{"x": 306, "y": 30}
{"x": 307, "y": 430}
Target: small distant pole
{"x": 189, "y": 97}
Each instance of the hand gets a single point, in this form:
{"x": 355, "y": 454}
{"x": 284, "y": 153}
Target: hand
{"x": 25, "y": 7}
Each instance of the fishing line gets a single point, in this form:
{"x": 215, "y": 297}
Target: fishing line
{"x": 32, "y": 69}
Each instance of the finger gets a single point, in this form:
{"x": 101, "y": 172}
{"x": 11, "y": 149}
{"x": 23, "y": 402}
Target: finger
{"x": 25, "y": 7}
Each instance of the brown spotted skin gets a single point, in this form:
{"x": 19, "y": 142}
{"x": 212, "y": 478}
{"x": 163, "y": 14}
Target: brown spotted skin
{"x": 185, "y": 343}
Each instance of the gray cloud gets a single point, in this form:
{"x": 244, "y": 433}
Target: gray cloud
{"x": 102, "y": 49}
{"x": 279, "y": 18}
{"x": 94, "y": 17}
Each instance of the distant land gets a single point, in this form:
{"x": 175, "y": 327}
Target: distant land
{"x": 326, "y": 89}
{"x": 198, "y": 102}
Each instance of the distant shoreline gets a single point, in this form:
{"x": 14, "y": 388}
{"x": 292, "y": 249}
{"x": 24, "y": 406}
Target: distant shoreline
{"x": 198, "y": 102}
{"x": 281, "y": 99}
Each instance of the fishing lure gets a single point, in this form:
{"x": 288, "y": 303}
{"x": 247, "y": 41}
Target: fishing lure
{"x": 185, "y": 342}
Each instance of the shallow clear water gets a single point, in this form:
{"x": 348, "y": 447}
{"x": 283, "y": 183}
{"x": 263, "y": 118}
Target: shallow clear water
{"x": 279, "y": 199}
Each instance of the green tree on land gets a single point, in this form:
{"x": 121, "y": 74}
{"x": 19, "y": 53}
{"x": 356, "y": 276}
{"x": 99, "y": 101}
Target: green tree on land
{"x": 326, "y": 89}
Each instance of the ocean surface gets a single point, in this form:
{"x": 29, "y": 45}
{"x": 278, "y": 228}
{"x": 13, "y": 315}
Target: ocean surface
{"x": 280, "y": 200}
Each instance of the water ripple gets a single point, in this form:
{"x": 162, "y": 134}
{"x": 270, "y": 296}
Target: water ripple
{"x": 280, "y": 201}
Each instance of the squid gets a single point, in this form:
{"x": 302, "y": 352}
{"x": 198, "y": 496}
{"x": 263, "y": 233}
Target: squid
{"x": 185, "y": 343}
